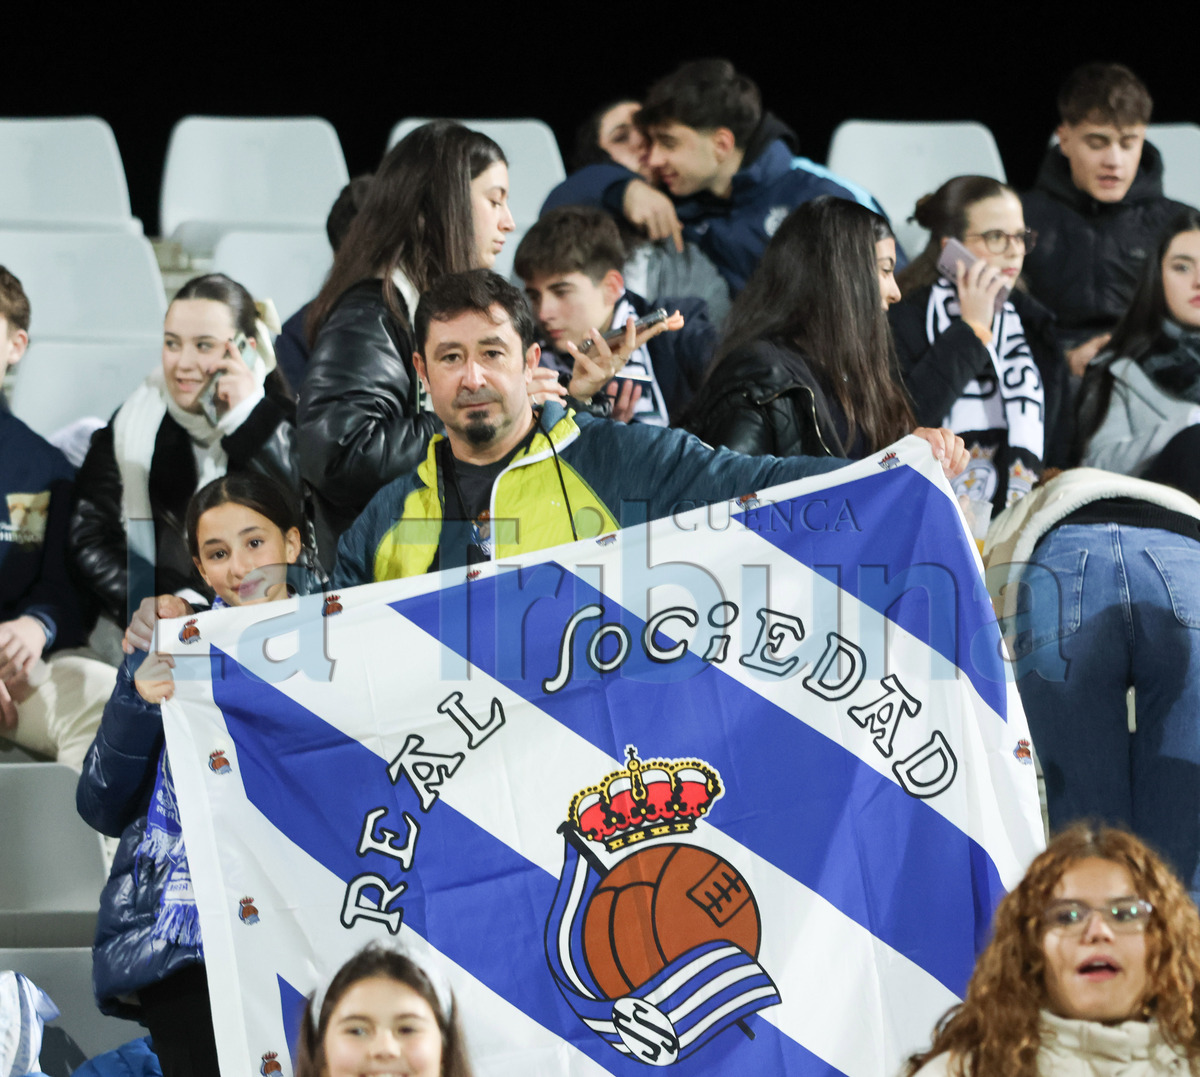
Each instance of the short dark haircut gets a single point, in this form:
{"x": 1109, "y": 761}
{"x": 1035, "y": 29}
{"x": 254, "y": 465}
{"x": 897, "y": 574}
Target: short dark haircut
{"x": 14, "y": 303}
{"x": 476, "y": 290}
{"x": 264, "y": 495}
{"x": 369, "y": 963}
{"x": 345, "y": 209}
{"x": 571, "y": 239}
{"x": 222, "y": 289}
{"x": 705, "y": 94}
{"x": 1108, "y": 92}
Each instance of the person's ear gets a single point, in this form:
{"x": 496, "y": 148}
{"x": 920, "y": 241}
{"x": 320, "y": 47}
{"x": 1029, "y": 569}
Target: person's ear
{"x": 1063, "y": 133}
{"x": 944, "y": 240}
{"x": 612, "y": 287}
{"x": 723, "y": 142}
{"x": 291, "y": 544}
{"x": 200, "y": 569}
{"x": 533, "y": 356}
{"x": 14, "y": 346}
{"x": 419, "y": 367}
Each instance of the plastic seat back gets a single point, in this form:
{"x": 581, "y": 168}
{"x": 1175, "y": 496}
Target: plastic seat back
{"x": 64, "y": 172}
{"x": 899, "y": 161}
{"x": 61, "y": 381}
{"x": 92, "y": 286}
{"x": 287, "y": 267}
{"x": 248, "y": 173}
{"x": 1179, "y": 144}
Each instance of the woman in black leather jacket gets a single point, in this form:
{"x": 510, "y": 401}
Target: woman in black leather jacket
{"x": 805, "y": 365}
{"x": 216, "y": 404}
{"x": 438, "y": 204}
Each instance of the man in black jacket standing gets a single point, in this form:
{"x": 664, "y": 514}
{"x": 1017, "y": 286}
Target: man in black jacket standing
{"x": 1098, "y": 207}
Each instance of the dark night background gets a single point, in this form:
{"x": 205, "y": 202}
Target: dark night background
{"x": 364, "y": 67}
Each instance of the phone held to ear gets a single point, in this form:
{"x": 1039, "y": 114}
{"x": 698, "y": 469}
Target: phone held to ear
{"x": 208, "y": 395}
{"x": 614, "y": 336}
{"x": 954, "y": 253}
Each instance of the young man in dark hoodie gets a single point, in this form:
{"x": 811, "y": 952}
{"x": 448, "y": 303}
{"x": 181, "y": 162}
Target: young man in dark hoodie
{"x": 730, "y": 169}
{"x": 1097, "y": 207}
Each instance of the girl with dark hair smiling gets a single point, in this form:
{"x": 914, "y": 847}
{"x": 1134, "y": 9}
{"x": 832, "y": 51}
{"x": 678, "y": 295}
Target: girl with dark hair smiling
{"x": 382, "y": 1013}
{"x": 148, "y": 957}
{"x": 216, "y": 405}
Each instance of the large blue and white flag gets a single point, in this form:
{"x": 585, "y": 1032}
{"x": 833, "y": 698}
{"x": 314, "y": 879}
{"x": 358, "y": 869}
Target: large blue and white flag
{"x": 733, "y": 792}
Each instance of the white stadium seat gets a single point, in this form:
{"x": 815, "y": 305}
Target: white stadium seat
{"x": 1179, "y": 144}
{"x": 58, "y": 382}
{"x": 87, "y": 285}
{"x": 64, "y": 172}
{"x": 287, "y": 267}
{"x": 263, "y": 174}
{"x": 535, "y": 168}
{"x": 899, "y": 161}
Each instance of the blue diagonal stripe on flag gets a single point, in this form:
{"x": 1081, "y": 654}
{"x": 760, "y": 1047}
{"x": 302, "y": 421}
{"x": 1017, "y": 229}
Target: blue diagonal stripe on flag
{"x": 884, "y": 858}
{"x": 315, "y": 785}
{"x": 869, "y": 903}
{"x": 929, "y": 565}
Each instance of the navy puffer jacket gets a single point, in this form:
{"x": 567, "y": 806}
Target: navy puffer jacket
{"x": 113, "y": 797}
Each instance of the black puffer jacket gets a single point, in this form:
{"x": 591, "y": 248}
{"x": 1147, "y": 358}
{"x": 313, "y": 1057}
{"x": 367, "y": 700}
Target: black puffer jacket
{"x": 265, "y": 442}
{"x": 764, "y": 399}
{"x": 360, "y": 421}
{"x": 1089, "y": 254}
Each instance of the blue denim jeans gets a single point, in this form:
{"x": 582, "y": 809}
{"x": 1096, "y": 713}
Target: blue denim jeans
{"x": 1106, "y": 607}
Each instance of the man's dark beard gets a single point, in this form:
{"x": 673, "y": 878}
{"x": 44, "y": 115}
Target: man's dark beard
{"x": 480, "y": 432}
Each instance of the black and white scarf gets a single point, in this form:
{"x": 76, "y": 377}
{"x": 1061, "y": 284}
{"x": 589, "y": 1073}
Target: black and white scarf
{"x": 651, "y": 407}
{"x": 1001, "y": 416}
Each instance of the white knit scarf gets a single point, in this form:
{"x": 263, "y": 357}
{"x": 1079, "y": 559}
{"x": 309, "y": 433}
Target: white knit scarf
{"x": 135, "y": 429}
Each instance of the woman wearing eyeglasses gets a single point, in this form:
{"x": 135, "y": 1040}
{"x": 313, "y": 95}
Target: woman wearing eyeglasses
{"x": 1093, "y": 969}
{"x": 990, "y": 371}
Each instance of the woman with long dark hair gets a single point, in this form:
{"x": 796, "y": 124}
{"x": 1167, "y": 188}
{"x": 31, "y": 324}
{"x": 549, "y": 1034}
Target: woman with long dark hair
{"x": 992, "y": 372}
{"x": 1141, "y": 398}
{"x": 438, "y": 204}
{"x": 805, "y": 364}
{"x": 1093, "y": 968}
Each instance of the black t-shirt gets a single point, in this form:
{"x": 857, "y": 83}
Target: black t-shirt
{"x": 466, "y": 493}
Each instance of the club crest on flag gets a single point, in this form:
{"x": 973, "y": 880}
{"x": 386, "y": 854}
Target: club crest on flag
{"x": 332, "y": 605}
{"x": 247, "y": 913}
{"x": 189, "y": 633}
{"x": 270, "y": 1064}
{"x": 218, "y": 763}
{"x": 654, "y": 950}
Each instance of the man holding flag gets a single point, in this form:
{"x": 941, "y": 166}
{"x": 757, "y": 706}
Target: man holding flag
{"x": 742, "y": 806}
{"x": 510, "y": 477}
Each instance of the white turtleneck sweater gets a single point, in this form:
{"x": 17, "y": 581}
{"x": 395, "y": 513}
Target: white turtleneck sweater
{"x": 1091, "y": 1049}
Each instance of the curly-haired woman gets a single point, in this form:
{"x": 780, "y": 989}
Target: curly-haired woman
{"x": 1093, "y": 968}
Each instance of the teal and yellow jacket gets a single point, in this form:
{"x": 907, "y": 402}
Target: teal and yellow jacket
{"x": 608, "y": 475}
